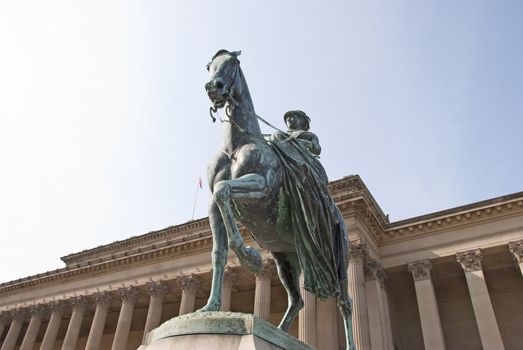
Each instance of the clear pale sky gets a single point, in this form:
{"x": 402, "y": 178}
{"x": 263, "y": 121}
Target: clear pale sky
{"x": 105, "y": 127}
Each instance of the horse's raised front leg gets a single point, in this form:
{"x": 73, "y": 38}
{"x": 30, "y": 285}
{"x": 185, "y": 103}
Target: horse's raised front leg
{"x": 289, "y": 273}
{"x": 246, "y": 188}
{"x": 219, "y": 257}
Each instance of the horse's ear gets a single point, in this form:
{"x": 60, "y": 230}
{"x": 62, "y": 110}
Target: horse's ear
{"x": 236, "y": 53}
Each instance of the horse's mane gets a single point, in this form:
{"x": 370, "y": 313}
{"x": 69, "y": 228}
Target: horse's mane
{"x": 220, "y": 52}
{"x": 235, "y": 54}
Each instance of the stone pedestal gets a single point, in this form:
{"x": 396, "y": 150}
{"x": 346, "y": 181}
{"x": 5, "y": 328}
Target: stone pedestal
{"x": 220, "y": 330}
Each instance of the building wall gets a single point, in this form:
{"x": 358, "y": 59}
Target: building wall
{"x": 395, "y": 266}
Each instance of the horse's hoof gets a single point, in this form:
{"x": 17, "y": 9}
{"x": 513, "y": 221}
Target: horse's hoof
{"x": 251, "y": 259}
{"x": 209, "y": 307}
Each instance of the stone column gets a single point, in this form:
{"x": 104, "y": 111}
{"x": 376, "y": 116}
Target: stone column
{"x": 102, "y": 300}
{"x": 123, "y": 326}
{"x": 157, "y": 290}
{"x": 4, "y": 321}
{"x": 516, "y": 248}
{"x": 389, "y": 342}
{"x": 189, "y": 285}
{"x": 79, "y": 304}
{"x": 372, "y": 272}
{"x": 229, "y": 279}
{"x": 327, "y": 322}
{"x": 307, "y": 317}
{"x": 17, "y": 317}
{"x": 36, "y": 312}
{"x": 427, "y": 304}
{"x": 485, "y": 318}
{"x": 57, "y": 309}
{"x": 262, "y": 293}
{"x": 356, "y": 283}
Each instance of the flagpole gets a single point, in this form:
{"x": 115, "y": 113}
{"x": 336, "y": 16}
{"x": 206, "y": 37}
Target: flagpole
{"x": 195, "y": 199}
{"x": 198, "y": 187}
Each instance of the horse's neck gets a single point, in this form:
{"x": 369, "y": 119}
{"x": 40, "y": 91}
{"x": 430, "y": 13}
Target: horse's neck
{"x": 243, "y": 124}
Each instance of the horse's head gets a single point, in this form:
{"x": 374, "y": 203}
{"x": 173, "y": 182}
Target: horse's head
{"x": 224, "y": 69}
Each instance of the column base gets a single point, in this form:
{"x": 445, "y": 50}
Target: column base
{"x": 220, "y": 330}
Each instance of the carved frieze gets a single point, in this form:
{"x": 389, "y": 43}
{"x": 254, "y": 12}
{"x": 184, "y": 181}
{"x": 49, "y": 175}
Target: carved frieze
{"x": 470, "y": 260}
{"x": 421, "y": 270}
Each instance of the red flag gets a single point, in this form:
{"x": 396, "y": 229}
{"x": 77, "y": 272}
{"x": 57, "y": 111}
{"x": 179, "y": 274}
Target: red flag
{"x": 200, "y": 182}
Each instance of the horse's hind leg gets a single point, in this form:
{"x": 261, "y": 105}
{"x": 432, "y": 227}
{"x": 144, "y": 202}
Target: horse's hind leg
{"x": 345, "y": 306}
{"x": 289, "y": 273}
{"x": 219, "y": 258}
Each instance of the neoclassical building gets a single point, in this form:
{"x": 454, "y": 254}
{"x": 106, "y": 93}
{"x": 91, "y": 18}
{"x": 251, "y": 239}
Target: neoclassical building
{"x": 446, "y": 280}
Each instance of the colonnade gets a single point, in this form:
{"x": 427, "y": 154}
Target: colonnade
{"x": 77, "y": 306}
{"x": 367, "y": 287}
{"x": 471, "y": 261}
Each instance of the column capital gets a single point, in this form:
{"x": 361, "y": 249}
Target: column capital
{"x": 158, "y": 288}
{"x": 358, "y": 250}
{"x": 470, "y": 260}
{"x": 189, "y": 282}
{"x": 18, "y": 314}
{"x": 371, "y": 269}
{"x": 231, "y": 275}
{"x": 79, "y": 303}
{"x": 268, "y": 269}
{"x": 516, "y": 248}
{"x": 128, "y": 294}
{"x": 421, "y": 269}
{"x": 57, "y": 306}
{"x": 37, "y": 310}
{"x": 103, "y": 298}
{"x": 5, "y": 316}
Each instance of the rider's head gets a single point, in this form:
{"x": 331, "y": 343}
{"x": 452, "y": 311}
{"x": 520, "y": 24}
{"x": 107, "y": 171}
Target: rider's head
{"x": 297, "y": 120}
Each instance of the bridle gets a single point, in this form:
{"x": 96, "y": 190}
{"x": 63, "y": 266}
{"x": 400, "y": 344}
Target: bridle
{"x": 234, "y": 104}
{"x": 229, "y": 98}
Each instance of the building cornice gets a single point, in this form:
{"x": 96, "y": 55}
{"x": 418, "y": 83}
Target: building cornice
{"x": 494, "y": 208}
{"x": 350, "y": 194}
{"x": 162, "y": 236}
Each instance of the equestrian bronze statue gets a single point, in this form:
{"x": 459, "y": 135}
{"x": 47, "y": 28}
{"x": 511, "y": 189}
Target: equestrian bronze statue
{"x": 277, "y": 189}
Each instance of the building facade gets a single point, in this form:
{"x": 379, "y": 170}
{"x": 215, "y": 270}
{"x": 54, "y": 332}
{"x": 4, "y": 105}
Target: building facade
{"x": 446, "y": 280}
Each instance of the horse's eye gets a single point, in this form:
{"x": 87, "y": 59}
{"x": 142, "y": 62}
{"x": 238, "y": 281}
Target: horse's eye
{"x": 207, "y": 67}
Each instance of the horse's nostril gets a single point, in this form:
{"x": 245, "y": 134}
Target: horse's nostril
{"x": 208, "y": 86}
{"x": 218, "y": 84}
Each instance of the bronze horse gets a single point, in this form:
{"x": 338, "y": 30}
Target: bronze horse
{"x": 246, "y": 179}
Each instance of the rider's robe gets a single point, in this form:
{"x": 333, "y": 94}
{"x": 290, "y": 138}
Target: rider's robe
{"x": 318, "y": 227}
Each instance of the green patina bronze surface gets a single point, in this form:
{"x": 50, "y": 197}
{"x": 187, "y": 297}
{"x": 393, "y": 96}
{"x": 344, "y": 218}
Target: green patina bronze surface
{"x": 277, "y": 188}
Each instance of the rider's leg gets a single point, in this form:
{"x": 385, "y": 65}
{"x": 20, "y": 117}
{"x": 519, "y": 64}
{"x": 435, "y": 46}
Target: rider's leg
{"x": 246, "y": 188}
{"x": 219, "y": 257}
{"x": 289, "y": 273}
